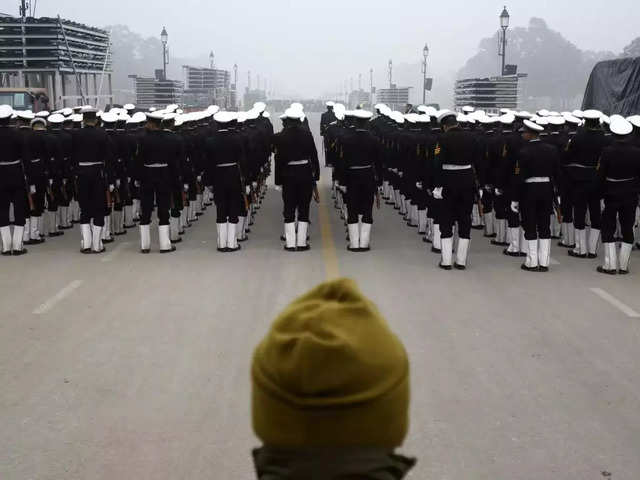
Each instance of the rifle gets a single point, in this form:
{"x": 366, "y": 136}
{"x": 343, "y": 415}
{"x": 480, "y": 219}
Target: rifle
{"x": 556, "y": 208}
{"x": 109, "y": 200}
{"x": 32, "y": 205}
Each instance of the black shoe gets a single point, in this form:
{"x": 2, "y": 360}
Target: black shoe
{"x": 7, "y": 253}
{"x": 623, "y": 272}
{"x": 499, "y": 244}
{"x": 64, "y": 227}
{"x": 108, "y": 240}
{"x": 56, "y": 234}
{"x": 560, "y": 244}
{"x": 145, "y": 251}
{"x": 283, "y": 238}
{"x": 120, "y": 233}
{"x": 529, "y": 269}
{"x": 459, "y": 267}
{"x": 181, "y": 233}
{"x": 573, "y": 254}
{"x": 543, "y": 269}
{"x": 493, "y": 235}
{"x": 290, "y": 249}
{"x": 477, "y": 227}
{"x": 445, "y": 267}
{"x": 352, "y": 249}
{"x": 130, "y": 226}
{"x": 435, "y": 250}
{"x": 102, "y": 250}
{"x": 178, "y": 240}
{"x": 303, "y": 249}
{"x": 513, "y": 254}
{"x": 172, "y": 249}
{"x": 86, "y": 250}
{"x": 75, "y": 221}
{"x": 555, "y": 237}
{"x": 601, "y": 269}
{"x": 199, "y": 214}
{"x": 592, "y": 255}
{"x": 248, "y": 230}
{"x": 426, "y": 240}
{"x": 223, "y": 250}
{"x": 243, "y": 239}
{"x": 412, "y": 225}
{"x": 17, "y": 253}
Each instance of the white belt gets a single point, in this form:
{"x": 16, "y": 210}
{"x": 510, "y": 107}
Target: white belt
{"x": 157, "y": 165}
{"x": 362, "y": 167}
{"x": 620, "y": 179}
{"x": 227, "y": 164}
{"x": 579, "y": 165}
{"x": 35, "y": 161}
{"x": 88, "y": 164}
{"x": 537, "y": 180}
{"x": 10, "y": 163}
{"x": 298, "y": 162}
{"x": 448, "y": 166}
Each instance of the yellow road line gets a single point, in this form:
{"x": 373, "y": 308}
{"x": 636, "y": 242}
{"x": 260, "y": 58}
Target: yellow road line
{"x": 328, "y": 245}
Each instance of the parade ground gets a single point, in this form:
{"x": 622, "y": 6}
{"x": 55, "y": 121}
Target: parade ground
{"x": 130, "y": 366}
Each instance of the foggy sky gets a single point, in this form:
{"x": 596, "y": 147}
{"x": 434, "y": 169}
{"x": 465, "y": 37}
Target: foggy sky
{"x": 309, "y": 48}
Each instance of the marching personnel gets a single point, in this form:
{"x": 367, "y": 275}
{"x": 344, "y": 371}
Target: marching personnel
{"x": 65, "y": 138}
{"x": 619, "y": 175}
{"x": 56, "y": 172}
{"x": 558, "y": 138}
{"x": 180, "y": 189}
{"x": 109, "y": 121}
{"x": 455, "y": 184}
{"x": 156, "y": 174}
{"x": 326, "y": 119}
{"x": 224, "y": 161}
{"x": 91, "y": 159}
{"x": 583, "y": 152}
{"x": 296, "y": 171}
{"x": 13, "y": 184}
{"x": 537, "y": 173}
{"x": 361, "y": 168}
{"x": 23, "y": 122}
{"x": 38, "y": 173}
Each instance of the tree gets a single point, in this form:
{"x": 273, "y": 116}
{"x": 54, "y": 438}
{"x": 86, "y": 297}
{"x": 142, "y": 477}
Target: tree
{"x": 633, "y": 49}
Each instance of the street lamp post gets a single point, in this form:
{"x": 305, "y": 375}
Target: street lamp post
{"x": 425, "y": 54}
{"x": 504, "y": 24}
{"x": 164, "y": 37}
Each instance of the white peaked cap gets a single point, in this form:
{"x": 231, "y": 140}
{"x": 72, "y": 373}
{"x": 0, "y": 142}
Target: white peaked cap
{"x": 86, "y": 107}
{"x": 542, "y": 121}
{"x": 169, "y": 116}
{"x": 605, "y": 119}
{"x": 67, "y": 111}
{"x": 554, "y": 114}
{"x": 297, "y": 106}
{"x": 171, "y": 108}
{"x": 533, "y": 126}
{"x": 178, "y": 120}
{"x": 591, "y": 114}
{"x": 242, "y": 116}
{"x": 410, "y": 117}
{"x": 468, "y": 109}
{"x": 620, "y": 126}
{"x": 634, "y": 120}
{"x": 397, "y": 117}
{"x": 266, "y": 115}
{"x": 139, "y": 117}
{"x": 253, "y": 114}
{"x": 543, "y": 113}
{"x": 524, "y": 114}
{"x": 26, "y": 115}
{"x": 556, "y": 120}
{"x": 422, "y": 118}
{"x": 260, "y": 107}
{"x": 578, "y": 114}
{"x": 5, "y": 111}
{"x": 43, "y": 114}
{"x": 330, "y": 103}
{"x": 507, "y": 118}
{"x": 109, "y": 117}
{"x": 294, "y": 114}
{"x": 213, "y": 109}
{"x": 615, "y": 117}
{"x": 77, "y": 117}
{"x": 156, "y": 115}
{"x": 225, "y": 117}
{"x": 573, "y": 120}
{"x": 442, "y": 114}
{"x": 129, "y": 106}
{"x": 56, "y": 118}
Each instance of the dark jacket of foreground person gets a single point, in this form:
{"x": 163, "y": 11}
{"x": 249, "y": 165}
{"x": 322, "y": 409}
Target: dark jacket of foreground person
{"x": 330, "y": 391}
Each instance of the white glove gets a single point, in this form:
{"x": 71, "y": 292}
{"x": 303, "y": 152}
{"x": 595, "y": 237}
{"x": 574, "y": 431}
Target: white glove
{"x": 199, "y": 178}
{"x": 254, "y": 184}
{"x": 210, "y": 188}
{"x": 111, "y": 188}
{"x": 419, "y": 185}
{"x": 559, "y": 201}
{"x": 32, "y": 189}
{"x": 118, "y": 182}
{"x": 185, "y": 187}
{"x": 437, "y": 193}
{"x": 515, "y": 207}
{"x": 498, "y": 192}
{"x": 343, "y": 189}
{"x": 278, "y": 188}
{"x": 137, "y": 183}
{"x": 64, "y": 181}
{"x": 128, "y": 179}
{"x": 480, "y": 193}
{"x": 50, "y": 181}
{"x": 247, "y": 190}
{"x": 400, "y": 174}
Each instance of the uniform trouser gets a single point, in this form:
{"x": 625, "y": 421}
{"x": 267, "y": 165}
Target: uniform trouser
{"x": 488, "y": 201}
{"x": 124, "y": 196}
{"x": 536, "y": 206}
{"x": 176, "y": 202}
{"x": 12, "y": 191}
{"x": 622, "y": 208}
{"x": 227, "y": 190}
{"x": 297, "y": 189}
{"x": 38, "y": 197}
{"x": 500, "y": 206}
{"x": 456, "y": 206}
{"x": 361, "y": 187}
{"x": 566, "y": 206}
{"x": 92, "y": 195}
{"x": 156, "y": 183}
{"x": 585, "y": 196}
{"x": 54, "y": 196}
{"x": 297, "y": 197}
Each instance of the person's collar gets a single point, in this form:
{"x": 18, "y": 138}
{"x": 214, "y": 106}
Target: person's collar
{"x": 301, "y": 464}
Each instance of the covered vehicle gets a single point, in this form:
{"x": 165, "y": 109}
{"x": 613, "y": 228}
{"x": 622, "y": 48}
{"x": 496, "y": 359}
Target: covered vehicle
{"x": 614, "y": 87}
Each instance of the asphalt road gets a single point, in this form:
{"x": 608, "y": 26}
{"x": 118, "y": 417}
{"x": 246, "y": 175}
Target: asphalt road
{"x": 129, "y": 366}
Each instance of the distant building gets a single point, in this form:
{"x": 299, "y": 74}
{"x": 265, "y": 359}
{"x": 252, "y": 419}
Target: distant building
{"x": 359, "y": 97}
{"x": 157, "y": 92}
{"x": 253, "y": 96}
{"x": 395, "y": 97}
{"x": 208, "y": 86}
{"x": 50, "y": 63}
{"x": 489, "y": 94}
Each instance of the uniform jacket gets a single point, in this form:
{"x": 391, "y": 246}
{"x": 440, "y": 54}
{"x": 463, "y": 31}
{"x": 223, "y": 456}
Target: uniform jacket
{"x": 295, "y": 143}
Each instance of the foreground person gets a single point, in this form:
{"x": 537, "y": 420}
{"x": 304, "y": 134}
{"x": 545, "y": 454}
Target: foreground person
{"x": 330, "y": 391}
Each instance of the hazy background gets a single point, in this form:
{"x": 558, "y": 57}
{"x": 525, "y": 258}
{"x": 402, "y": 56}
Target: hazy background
{"x": 309, "y": 49}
